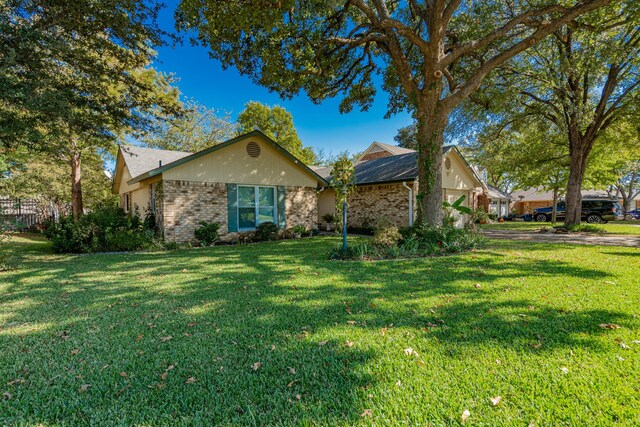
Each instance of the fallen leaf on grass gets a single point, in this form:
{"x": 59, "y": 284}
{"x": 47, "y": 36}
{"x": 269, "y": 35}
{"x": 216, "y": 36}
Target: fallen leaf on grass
{"x": 298, "y": 397}
{"x": 609, "y": 326}
{"x": 565, "y": 370}
{"x": 84, "y": 388}
{"x": 140, "y": 337}
{"x": 190, "y": 380}
{"x": 164, "y": 375}
{"x": 184, "y": 270}
{"x": 191, "y": 324}
{"x": 124, "y": 374}
{"x": 399, "y": 383}
{"x": 292, "y": 371}
{"x": 291, "y": 383}
{"x": 16, "y": 381}
{"x": 465, "y": 415}
{"x": 476, "y": 285}
{"x": 75, "y": 351}
{"x": 410, "y": 352}
{"x": 7, "y": 395}
{"x": 367, "y": 413}
{"x": 165, "y": 339}
{"x": 495, "y": 401}
{"x": 351, "y": 322}
{"x": 348, "y": 344}
{"x": 624, "y": 346}
{"x": 256, "y": 366}
{"x": 323, "y": 342}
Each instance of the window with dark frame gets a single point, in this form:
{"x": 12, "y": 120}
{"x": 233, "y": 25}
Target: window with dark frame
{"x": 256, "y": 204}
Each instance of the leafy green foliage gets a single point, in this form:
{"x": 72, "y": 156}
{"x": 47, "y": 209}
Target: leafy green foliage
{"x": 386, "y": 237}
{"x": 40, "y": 176}
{"x": 456, "y": 206}
{"x": 197, "y": 128}
{"x": 266, "y": 231}
{"x": 207, "y": 232}
{"x": 277, "y": 123}
{"x": 102, "y": 230}
{"x": 416, "y": 241}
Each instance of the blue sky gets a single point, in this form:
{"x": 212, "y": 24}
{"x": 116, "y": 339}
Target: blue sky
{"x": 319, "y": 126}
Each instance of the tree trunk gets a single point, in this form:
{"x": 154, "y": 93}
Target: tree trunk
{"x": 554, "y": 211}
{"x": 573, "y": 199}
{"x": 76, "y": 182}
{"x": 430, "y": 136}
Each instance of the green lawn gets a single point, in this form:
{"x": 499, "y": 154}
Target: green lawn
{"x": 618, "y": 227}
{"x": 173, "y": 337}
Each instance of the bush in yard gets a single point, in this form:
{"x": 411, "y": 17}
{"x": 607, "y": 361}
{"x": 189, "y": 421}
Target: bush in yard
{"x": 207, "y": 232}
{"x": 106, "y": 229}
{"x": 386, "y": 237}
{"x": 266, "y": 231}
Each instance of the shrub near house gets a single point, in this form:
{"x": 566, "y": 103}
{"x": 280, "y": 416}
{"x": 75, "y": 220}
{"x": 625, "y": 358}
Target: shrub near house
{"x": 107, "y": 229}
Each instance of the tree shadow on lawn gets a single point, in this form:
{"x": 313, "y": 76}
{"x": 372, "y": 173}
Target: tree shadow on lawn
{"x": 226, "y": 309}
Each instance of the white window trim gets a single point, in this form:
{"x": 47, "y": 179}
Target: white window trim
{"x": 257, "y": 204}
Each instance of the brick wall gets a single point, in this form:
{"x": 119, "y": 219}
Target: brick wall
{"x": 301, "y": 206}
{"x": 186, "y": 203}
{"x": 528, "y": 207}
{"x": 183, "y": 204}
{"x": 371, "y": 204}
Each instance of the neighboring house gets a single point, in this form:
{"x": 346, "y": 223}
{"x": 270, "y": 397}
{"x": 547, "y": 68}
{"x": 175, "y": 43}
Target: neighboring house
{"x": 494, "y": 201}
{"x": 238, "y": 183}
{"x": 387, "y": 186}
{"x": 525, "y": 201}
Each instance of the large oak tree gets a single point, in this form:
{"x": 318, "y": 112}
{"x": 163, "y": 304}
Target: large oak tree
{"x": 581, "y": 81}
{"x": 432, "y": 54}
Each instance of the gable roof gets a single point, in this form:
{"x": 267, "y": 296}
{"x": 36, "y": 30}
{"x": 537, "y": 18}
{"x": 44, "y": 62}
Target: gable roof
{"x": 189, "y": 157}
{"x": 494, "y": 193}
{"x": 140, "y": 159}
{"x": 394, "y": 150}
{"x": 397, "y": 168}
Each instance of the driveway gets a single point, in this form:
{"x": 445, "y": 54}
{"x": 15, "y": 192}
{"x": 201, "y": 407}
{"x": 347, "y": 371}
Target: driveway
{"x": 573, "y": 238}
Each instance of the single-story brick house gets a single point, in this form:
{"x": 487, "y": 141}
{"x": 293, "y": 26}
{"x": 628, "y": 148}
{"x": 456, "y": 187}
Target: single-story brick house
{"x": 387, "y": 185}
{"x": 238, "y": 183}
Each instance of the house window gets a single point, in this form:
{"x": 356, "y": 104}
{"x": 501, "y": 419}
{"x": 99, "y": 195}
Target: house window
{"x": 127, "y": 202}
{"x": 256, "y": 205}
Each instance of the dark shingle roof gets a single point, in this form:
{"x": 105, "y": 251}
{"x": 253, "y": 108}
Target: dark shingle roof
{"x": 401, "y": 167}
{"x": 140, "y": 160}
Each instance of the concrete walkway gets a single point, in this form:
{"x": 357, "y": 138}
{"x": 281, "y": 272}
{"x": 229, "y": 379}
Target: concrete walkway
{"x": 572, "y": 238}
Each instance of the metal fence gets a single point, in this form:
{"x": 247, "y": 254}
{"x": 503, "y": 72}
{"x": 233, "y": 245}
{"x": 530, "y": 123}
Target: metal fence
{"x": 22, "y": 213}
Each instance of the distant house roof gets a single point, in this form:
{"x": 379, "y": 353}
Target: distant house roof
{"x": 536, "y": 195}
{"x": 380, "y": 149}
{"x": 400, "y": 167}
{"x": 140, "y": 160}
{"x": 494, "y": 193}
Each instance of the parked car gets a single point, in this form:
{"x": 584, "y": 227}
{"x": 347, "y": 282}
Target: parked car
{"x": 593, "y": 211}
{"x": 634, "y": 214}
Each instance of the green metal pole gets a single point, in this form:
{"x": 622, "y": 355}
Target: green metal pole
{"x": 344, "y": 224}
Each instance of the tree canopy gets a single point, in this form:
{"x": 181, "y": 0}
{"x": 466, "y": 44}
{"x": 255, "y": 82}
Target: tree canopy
{"x": 277, "y": 123}
{"x": 579, "y": 82}
{"x": 76, "y": 75}
{"x": 197, "y": 128}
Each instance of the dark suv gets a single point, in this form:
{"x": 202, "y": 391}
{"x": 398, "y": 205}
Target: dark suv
{"x": 593, "y": 211}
